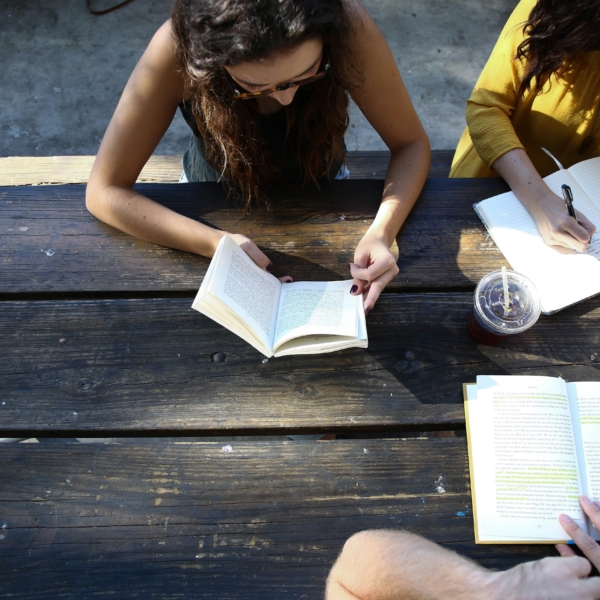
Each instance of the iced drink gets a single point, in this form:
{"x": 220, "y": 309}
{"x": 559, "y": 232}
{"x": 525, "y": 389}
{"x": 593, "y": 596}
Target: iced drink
{"x": 491, "y": 320}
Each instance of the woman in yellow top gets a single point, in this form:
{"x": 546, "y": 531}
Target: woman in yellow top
{"x": 539, "y": 89}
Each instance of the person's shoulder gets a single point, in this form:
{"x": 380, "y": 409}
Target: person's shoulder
{"x": 518, "y": 18}
{"x": 163, "y": 40}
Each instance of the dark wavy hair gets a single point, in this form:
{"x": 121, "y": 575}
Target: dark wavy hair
{"x": 558, "y": 32}
{"x": 213, "y": 34}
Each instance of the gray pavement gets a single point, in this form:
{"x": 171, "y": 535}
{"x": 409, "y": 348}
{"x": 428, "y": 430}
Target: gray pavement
{"x": 64, "y": 69}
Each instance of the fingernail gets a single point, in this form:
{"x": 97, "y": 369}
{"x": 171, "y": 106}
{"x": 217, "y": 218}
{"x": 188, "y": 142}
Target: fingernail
{"x": 354, "y": 289}
{"x": 269, "y": 267}
{"x": 597, "y": 503}
{"x": 565, "y": 519}
{"x": 349, "y": 266}
{"x": 585, "y": 499}
{"x": 367, "y": 310}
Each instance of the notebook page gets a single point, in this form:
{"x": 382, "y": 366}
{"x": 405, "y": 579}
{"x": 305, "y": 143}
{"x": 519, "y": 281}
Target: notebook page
{"x": 587, "y": 174}
{"x": 526, "y": 470}
{"x": 561, "y": 279}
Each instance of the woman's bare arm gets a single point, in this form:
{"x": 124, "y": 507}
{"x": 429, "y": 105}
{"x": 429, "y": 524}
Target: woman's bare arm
{"x": 384, "y": 101}
{"x": 143, "y": 114}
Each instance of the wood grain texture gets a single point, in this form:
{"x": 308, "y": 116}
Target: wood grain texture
{"x": 59, "y": 170}
{"x": 264, "y": 521}
{"x": 144, "y": 367}
{"x": 50, "y": 243}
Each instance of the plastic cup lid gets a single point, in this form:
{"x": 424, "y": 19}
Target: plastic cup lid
{"x": 523, "y": 306}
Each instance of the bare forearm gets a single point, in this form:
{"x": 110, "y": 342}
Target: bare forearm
{"x": 405, "y": 178}
{"x": 129, "y": 211}
{"x": 389, "y": 565}
{"x": 518, "y": 171}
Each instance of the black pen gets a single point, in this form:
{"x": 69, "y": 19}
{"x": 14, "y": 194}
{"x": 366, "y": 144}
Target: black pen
{"x": 568, "y": 196}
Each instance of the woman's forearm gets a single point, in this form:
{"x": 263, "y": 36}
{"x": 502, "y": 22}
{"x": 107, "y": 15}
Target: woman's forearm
{"x": 405, "y": 178}
{"x": 518, "y": 171}
{"x": 133, "y": 213}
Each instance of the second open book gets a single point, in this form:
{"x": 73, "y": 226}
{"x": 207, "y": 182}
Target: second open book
{"x": 561, "y": 279}
{"x": 534, "y": 448}
{"x": 307, "y": 317}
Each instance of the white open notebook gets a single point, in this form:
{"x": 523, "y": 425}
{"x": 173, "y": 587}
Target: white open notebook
{"x": 561, "y": 279}
{"x": 534, "y": 448}
{"x": 305, "y": 317}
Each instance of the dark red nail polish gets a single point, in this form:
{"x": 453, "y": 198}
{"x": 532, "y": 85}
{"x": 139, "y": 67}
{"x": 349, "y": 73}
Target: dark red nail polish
{"x": 367, "y": 310}
{"x": 354, "y": 289}
{"x": 269, "y": 267}
{"x": 349, "y": 266}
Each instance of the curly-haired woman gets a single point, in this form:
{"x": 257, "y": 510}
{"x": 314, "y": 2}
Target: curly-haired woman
{"x": 539, "y": 89}
{"x": 264, "y": 85}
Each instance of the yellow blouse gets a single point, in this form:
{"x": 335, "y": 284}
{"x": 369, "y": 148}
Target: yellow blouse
{"x": 562, "y": 118}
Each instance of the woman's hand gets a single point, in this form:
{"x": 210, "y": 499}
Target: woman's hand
{"x": 259, "y": 257}
{"x": 557, "y": 227}
{"x": 587, "y": 545}
{"x": 373, "y": 268}
{"x": 548, "y": 210}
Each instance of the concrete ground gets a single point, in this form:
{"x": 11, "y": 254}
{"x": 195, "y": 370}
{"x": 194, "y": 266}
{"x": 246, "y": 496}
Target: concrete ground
{"x": 64, "y": 69}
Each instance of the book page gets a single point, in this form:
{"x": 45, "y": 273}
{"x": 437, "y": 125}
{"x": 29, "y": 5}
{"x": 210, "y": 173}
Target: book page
{"x": 315, "y": 308}
{"x": 584, "y": 399}
{"x": 249, "y": 295}
{"x": 524, "y": 458}
{"x": 561, "y": 279}
{"x": 319, "y": 344}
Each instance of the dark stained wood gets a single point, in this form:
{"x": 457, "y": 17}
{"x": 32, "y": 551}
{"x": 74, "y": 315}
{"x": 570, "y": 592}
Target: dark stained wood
{"x": 144, "y": 367}
{"x": 59, "y": 170}
{"x": 373, "y": 164}
{"x": 264, "y": 521}
{"x": 51, "y": 244}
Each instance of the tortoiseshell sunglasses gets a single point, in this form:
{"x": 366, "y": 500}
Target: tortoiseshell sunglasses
{"x": 280, "y": 88}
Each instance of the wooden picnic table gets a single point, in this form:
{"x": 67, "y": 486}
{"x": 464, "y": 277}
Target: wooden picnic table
{"x": 98, "y": 340}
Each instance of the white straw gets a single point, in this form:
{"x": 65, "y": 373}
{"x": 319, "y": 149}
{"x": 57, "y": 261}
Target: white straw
{"x": 505, "y": 284}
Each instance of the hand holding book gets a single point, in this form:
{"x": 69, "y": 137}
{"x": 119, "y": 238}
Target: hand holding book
{"x": 587, "y": 544}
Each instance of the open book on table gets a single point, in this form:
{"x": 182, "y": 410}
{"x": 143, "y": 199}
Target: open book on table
{"x": 561, "y": 279}
{"x": 534, "y": 448}
{"x": 277, "y": 318}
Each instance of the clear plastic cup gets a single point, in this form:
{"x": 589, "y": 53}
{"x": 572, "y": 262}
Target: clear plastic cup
{"x": 490, "y": 321}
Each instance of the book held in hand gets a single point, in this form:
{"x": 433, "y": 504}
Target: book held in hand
{"x": 279, "y": 319}
{"x": 561, "y": 279}
{"x": 534, "y": 448}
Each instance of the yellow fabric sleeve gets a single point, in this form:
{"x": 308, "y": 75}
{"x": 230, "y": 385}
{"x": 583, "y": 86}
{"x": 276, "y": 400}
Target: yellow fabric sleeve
{"x": 493, "y": 101}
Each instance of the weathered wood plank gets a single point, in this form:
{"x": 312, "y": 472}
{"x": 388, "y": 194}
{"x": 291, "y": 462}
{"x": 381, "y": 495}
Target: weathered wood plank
{"x": 266, "y": 520}
{"x": 144, "y": 367}
{"x": 50, "y": 243}
{"x": 60, "y": 170}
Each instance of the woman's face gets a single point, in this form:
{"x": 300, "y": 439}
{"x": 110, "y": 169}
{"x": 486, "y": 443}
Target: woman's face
{"x": 300, "y": 63}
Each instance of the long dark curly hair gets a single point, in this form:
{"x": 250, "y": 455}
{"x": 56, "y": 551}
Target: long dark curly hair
{"x": 558, "y": 31}
{"x": 213, "y": 34}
